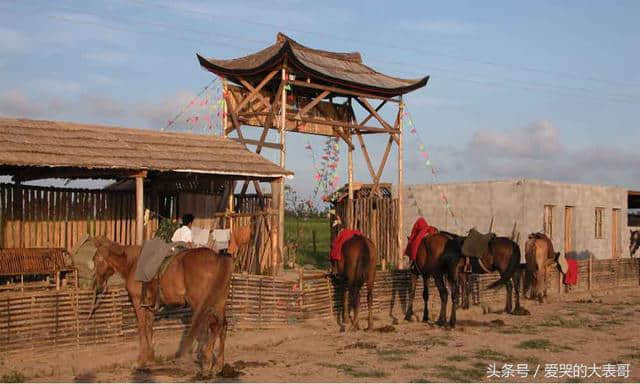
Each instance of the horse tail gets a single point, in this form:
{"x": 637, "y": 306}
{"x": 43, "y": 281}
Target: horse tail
{"x": 365, "y": 260}
{"x": 514, "y": 263}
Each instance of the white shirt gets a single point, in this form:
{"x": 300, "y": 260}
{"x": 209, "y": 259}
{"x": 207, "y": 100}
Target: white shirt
{"x": 182, "y": 234}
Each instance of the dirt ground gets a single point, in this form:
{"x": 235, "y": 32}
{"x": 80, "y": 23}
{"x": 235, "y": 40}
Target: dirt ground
{"x": 577, "y": 329}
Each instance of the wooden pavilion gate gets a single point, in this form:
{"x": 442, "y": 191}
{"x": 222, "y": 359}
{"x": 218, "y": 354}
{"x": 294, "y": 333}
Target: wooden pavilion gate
{"x": 292, "y": 88}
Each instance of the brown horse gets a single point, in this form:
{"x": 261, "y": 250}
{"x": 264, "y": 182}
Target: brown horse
{"x": 503, "y": 255}
{"x": 199, "y": 277}
{"x": 540, "y": 256}
{"x": 438, "y": 255}
{"x": 357, "y": 266}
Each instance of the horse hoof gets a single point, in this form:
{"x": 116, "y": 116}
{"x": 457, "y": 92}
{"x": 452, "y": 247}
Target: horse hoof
{"x": 441, "y": 323}
{"x": 395, "y": 321}
{"x": 342, "y": 329}
{"x": 408, "y": 318}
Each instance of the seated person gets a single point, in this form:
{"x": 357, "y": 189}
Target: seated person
{"x": 154, "y": 252}
{"x": 184, "y": 232}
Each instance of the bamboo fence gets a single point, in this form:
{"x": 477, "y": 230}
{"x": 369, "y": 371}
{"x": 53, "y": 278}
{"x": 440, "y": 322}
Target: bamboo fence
{"x": 51, "y": 319}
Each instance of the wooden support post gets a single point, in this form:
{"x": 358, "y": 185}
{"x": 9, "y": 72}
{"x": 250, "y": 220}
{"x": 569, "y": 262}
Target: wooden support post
{"x": 277, "y": 226}
{"x": 230, "y": 205}
{"x": 590, "y": 271}
{"x": 225, "y": 119}
{"x": 349, "y": 223}
{"x": 283, "y": 157}
{"x": 139, "y": 207}
{"x": 560, "y": 283}
{"x": 398, "y": 256}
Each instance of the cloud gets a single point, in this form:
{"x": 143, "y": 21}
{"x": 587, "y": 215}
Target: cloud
{"x": 443, "y": 27}
{"x": 100, "y": 109}
{"x": 16, "y": 103}
{"x": 536, "y": 151}
{"x": 535, "y": 141}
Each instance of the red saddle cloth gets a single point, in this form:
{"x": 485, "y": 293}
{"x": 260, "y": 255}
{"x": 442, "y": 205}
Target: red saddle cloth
{"x": 571, "y": 277}
{"x": 420, "y": 229}
{"x": 342, "y": 237}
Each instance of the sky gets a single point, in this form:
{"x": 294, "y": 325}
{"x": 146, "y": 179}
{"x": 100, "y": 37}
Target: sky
{"x": 546, "y": 89}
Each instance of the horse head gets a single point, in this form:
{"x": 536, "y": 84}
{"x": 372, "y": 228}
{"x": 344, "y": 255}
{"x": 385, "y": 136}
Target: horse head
{"x": 103, "y": 266}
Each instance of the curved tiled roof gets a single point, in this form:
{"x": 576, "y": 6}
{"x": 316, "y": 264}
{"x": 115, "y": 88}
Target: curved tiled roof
{"x": 341, "y": 69}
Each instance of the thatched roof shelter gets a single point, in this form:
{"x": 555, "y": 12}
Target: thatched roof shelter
{"x": 34, "y": 149}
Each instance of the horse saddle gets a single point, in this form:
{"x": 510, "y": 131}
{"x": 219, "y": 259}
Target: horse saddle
{"x": 176, "y": 248}
{"x": 476, "y": 244}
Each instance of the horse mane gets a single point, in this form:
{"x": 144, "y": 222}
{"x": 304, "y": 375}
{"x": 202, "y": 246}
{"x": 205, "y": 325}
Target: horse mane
{"x": 128, "y": 251}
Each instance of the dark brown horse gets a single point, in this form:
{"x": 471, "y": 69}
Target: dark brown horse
{"x": 199, "y": 277}
{"x": 503, "y": 255}
{"x": 357, "y": 266}
{"x": 438, "y": 255}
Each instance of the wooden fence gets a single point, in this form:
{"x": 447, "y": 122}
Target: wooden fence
{"x": 46, "y": 217}
{"x": 377, "y": 218}
{"x": 60, "y": 318}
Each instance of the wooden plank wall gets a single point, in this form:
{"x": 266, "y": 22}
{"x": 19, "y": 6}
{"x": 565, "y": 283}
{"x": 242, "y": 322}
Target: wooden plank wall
{"x": 377, "y": 218}
{"x": 44, "y": 217}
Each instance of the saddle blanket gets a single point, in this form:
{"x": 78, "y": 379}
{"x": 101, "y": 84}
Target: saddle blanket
{"x": 420, "y": 229}
{"x": 476, "y": 244}
{"x": 342, "y": 237}
{"x": 155, "y": 253}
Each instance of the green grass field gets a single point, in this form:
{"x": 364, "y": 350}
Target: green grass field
{"x": 301, "y": 230}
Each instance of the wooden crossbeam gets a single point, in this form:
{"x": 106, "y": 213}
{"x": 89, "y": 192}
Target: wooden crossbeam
{"x": 313, "y": 103}
{"x": 366, "y": 105}
{"x": 376, "y": 182}
{"x": 255, "y": 91}
{"x": 261, "y": 143}
{"x": 365, "y": 153}
{"x": 339, "y": 91}
{"x": 269, "y": 120}
{"x": 371, "y": 114}
{"x": 234, "y": 118}
{"x": 335, "y": 123}
{"x": 344, "y": 137}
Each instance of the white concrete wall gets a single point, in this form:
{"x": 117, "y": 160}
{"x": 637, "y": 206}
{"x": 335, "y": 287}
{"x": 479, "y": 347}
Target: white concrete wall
{"x": 522, "y": 201}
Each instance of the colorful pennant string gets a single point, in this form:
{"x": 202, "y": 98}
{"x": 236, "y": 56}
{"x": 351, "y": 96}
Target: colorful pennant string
{"x": 422, "y": 149}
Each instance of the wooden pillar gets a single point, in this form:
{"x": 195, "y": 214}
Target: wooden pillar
{"x": 349, "y": 223}
{"x": 399, "y": 261}
{"x": 283, "y": 156}
{"x": 590, "y": 271}
{"x": 229, "y": 210}
{"x": 277, "y": 226}
{"x": 139, "y": 207}
{"x": 225, "y": 118}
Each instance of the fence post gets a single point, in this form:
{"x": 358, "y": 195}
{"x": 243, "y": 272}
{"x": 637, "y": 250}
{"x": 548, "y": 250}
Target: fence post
{"x": 300, "y": 287}
{"x": 559, "y": 283}
{"x": 590, "y": 270}
{"x": 313, "y": 234}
